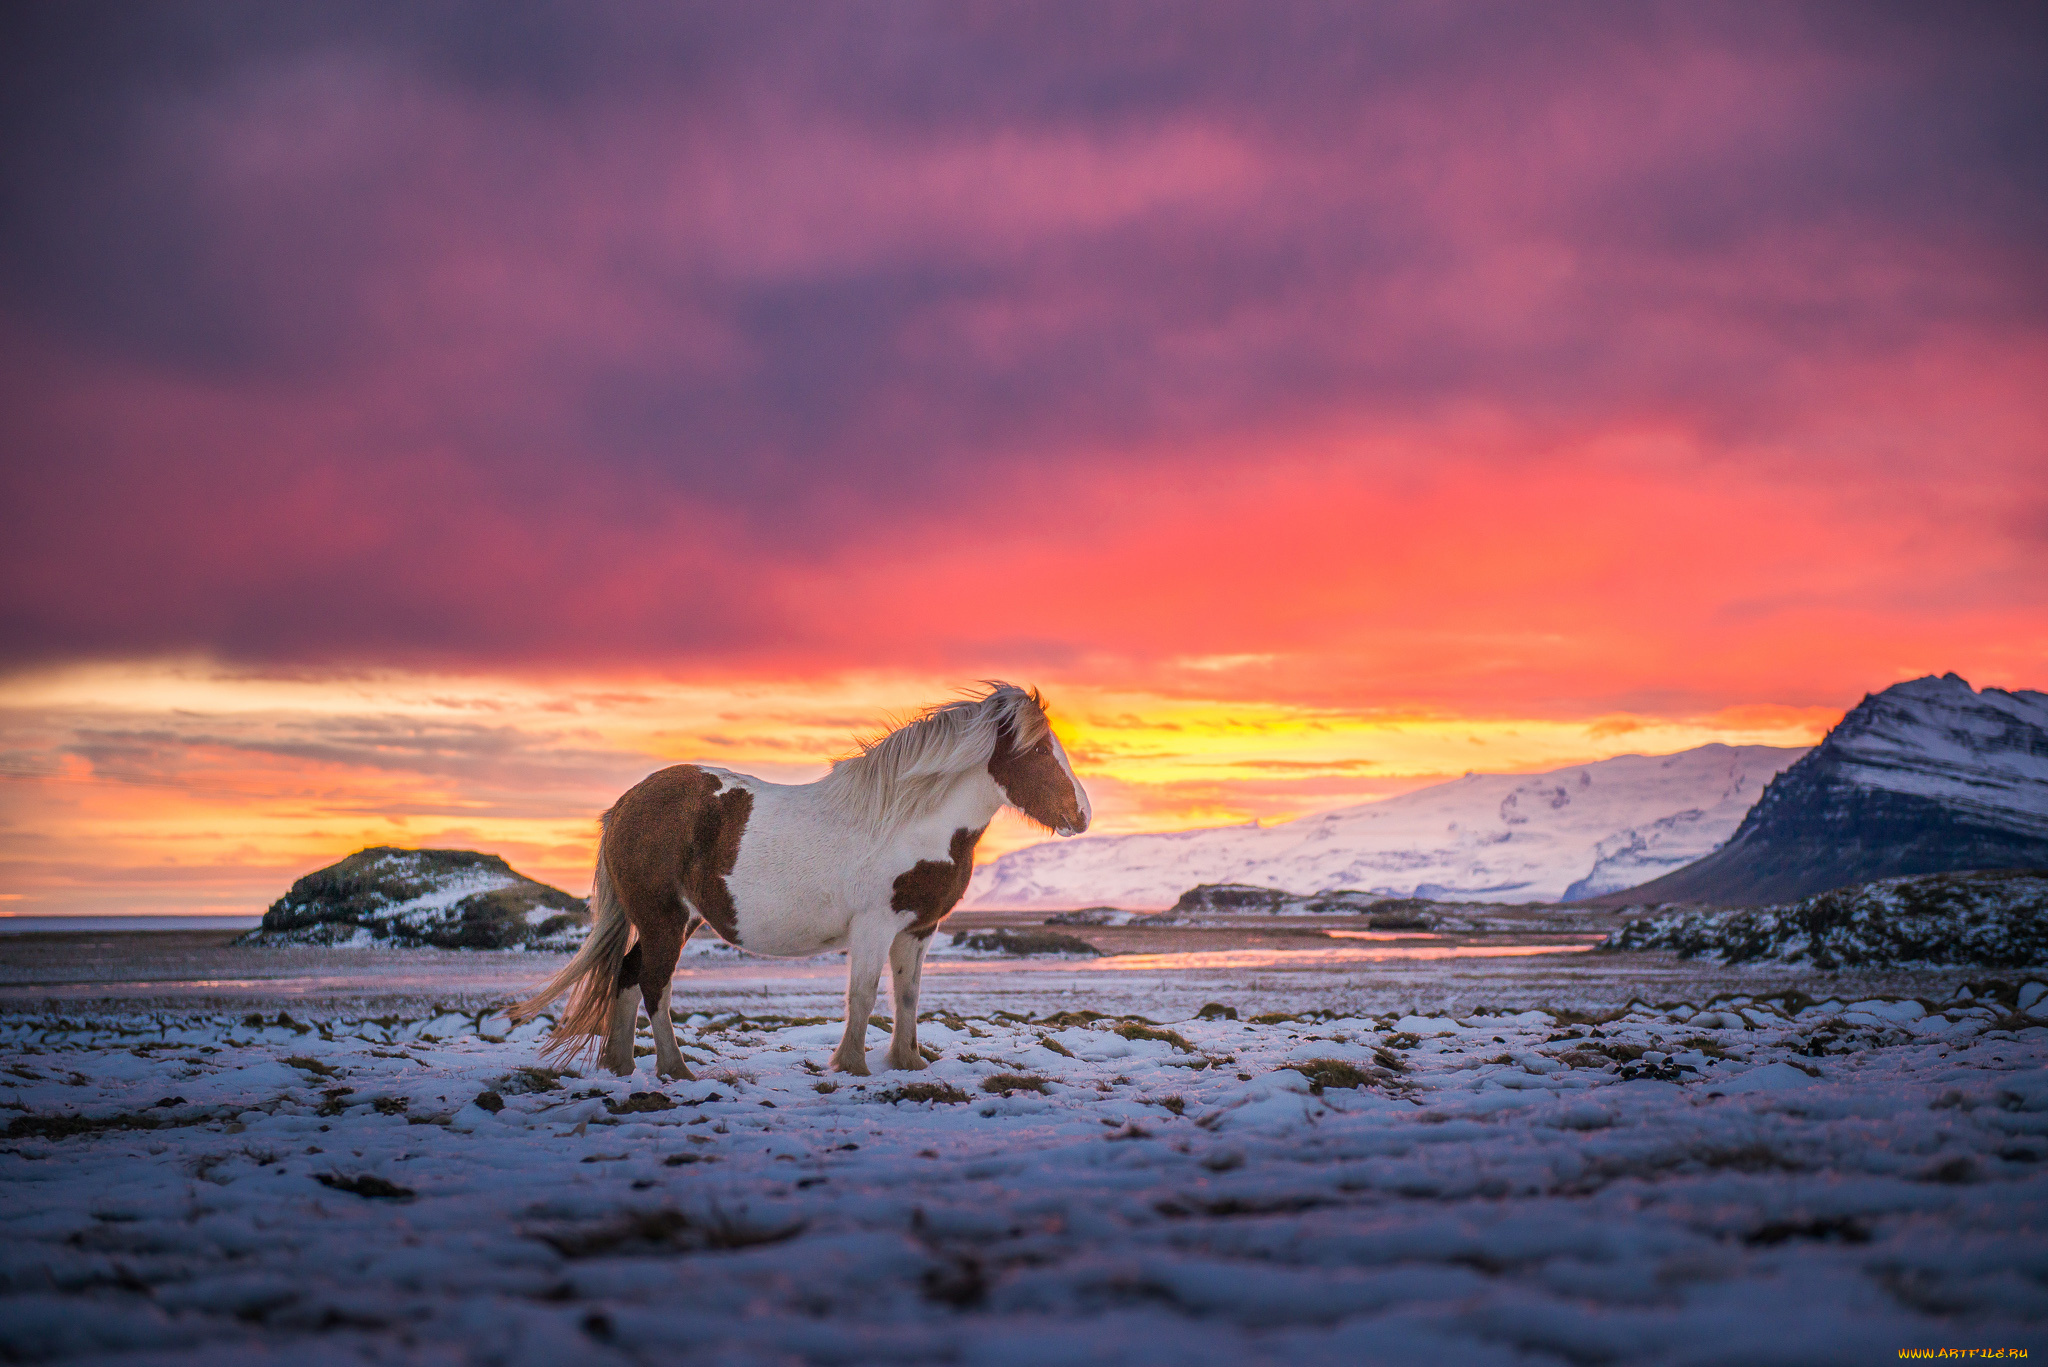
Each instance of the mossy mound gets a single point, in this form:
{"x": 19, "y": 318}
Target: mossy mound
{"x": 1989, "y": 919}
{"x": 1024, "y": 941}
{"x": 440, "y": 899}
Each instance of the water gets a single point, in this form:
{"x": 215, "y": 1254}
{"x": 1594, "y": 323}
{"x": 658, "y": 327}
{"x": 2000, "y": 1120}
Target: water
{"x": 25, "y": 925}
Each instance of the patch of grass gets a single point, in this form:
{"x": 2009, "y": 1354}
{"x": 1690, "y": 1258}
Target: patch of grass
{"x": 958, "y": 1282}
{"x": 1134, "y": 1031}
{"x": 1275, "y": 1018}
{"x": 521, "y": 1081}
{"x": 664, "y": 1231}
{"x": 825, "y": 1088}
{"x": 66, "y": 1126}
{"x": 490, "y": 1101}
{"x": 944, "y": 1093}
{"x": 1061, "y": 1020}
{"x": 638, "y": 1102}
{"x": 1404, "y": 1040}
{"x": 1570, "y": 1017}
{"x": 742, "y": 1021}
{"x": 1834, "y": 1229}
{"x": 1956, "y": 1171}
{"x": 1180, "y": 1208}
{"x": 1614, "y": 1049}
{"x": 1049, "y": 1042}
{"x": 1216, "y": 1011}
{"x": 1177, "y": 1104}
{"x": 310, "y": 1065}
{"x": 1006, "y": 1083}
{"x": 391, "y": 1105}
{"x": 1331, "y": 1072}
{"x": 366, "y": 1186}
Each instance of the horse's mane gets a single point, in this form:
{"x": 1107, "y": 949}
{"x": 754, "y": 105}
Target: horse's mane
{"x": 898, "y": 776}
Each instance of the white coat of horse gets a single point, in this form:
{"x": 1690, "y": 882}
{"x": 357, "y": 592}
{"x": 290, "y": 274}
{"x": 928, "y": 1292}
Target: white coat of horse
{"x": 867, "y": 859}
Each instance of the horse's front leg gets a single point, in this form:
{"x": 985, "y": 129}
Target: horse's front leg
{"x": 906, "y": 971}
{"x": 866, "y": 951}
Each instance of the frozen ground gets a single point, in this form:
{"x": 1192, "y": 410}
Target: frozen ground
{"x": 191, "y": 1175}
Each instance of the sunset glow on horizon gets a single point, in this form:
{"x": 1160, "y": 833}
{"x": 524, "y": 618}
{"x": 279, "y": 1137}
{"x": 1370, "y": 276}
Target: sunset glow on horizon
{"x": 422, "y": 423}
{"x": 213, "y": 788}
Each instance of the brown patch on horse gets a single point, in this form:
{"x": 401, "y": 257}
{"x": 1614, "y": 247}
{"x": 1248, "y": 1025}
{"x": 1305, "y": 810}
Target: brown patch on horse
{"x": 1034, "y": 782}
{"x": 932, "y": 887}
{"x": 675, "y": 835}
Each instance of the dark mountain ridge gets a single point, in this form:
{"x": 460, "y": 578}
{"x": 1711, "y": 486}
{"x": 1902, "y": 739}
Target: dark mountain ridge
{"x": 1929, "y": 776}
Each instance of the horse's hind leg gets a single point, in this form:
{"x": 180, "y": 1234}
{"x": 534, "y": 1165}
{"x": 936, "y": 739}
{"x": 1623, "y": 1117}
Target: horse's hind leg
{"x": 906, "y": 970}
{"x": 618, "y": 1040}
{"x": 664, "y": 944}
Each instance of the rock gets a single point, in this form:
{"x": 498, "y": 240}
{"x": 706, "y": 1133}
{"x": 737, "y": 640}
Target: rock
{"x": 1996, "y": 919}
{"x": 1212, "y": 900}
{"x": 1096, "y": 916}
{"x": 443, "y": 899}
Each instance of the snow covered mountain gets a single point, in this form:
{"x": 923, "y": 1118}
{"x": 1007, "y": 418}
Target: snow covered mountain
{"x": 1929, "y": 776}
{"x": 1568, "y": 834}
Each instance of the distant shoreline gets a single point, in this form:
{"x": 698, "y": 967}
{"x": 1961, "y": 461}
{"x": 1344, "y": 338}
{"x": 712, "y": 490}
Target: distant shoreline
{"x": 28, "y": 925}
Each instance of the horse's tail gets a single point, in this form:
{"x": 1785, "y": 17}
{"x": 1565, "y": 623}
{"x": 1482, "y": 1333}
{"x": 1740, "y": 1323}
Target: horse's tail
{"x": 594, "y": 973}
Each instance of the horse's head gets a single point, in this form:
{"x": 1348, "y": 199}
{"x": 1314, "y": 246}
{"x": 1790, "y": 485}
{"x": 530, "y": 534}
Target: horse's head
{"x": 1038, "y": 781}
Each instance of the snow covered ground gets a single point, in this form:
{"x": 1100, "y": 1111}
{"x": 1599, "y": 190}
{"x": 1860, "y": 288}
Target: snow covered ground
{"x": 1572, "y": 833}
{"x": 1470, "y": 1161}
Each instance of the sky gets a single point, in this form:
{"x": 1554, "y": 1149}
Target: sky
{"x": 419, "y": 421}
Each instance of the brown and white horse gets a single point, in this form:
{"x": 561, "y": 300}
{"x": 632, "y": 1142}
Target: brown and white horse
{"x": 867, "y": 859}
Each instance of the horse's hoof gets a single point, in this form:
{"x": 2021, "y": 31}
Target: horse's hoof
{"x": 855, "y": 1068}
{"x": 681, "y": 1073}
{"x": 909, "y": 1065}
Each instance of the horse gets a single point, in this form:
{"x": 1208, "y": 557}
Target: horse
{"x": 869, "y": 859}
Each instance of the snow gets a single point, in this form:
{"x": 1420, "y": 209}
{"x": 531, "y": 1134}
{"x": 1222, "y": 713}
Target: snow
{"x": 1526, "y": 1175}
{"x": 1570, "y": 833}
{"x": 428, "y": 907}
{"x": 1937, "y": 737}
